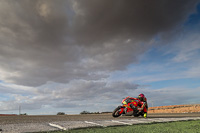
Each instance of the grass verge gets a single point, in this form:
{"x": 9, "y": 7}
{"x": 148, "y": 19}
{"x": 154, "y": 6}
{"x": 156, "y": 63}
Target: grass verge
{"x": 168, "y": 127}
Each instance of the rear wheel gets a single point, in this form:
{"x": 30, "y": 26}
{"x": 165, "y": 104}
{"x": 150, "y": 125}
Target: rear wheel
{"x": 116, "y": 112}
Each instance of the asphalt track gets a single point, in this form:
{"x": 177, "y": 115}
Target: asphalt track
{"x": 86, "y": 117}
{"x": 18, "y": 124}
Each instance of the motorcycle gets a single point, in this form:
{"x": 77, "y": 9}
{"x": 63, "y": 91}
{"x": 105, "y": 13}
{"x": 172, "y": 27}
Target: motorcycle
{"x": 128, "y": 108}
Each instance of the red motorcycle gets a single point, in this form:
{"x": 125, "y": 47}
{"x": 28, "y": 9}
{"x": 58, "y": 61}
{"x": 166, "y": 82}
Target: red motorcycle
{"x": 128, "y": 108}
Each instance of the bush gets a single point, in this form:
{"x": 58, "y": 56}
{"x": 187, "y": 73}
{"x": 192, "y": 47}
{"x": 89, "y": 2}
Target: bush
{"x": 85, "y": 112}
{"x": 24, "y": 114}
{"x": 60, "y": 113}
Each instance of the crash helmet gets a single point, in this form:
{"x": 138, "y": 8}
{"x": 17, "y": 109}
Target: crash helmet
{"x": 141, "y": 97}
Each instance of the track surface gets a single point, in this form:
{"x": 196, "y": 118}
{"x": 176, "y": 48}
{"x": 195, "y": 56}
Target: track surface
{"x": 54, "y": 118}
{"x": 22, "y": 124}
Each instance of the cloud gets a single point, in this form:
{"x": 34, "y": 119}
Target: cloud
{"x": 171, "y": 95}
{"x": 177, "y": 59}
{"x": 15, "y": 89}
{"x": 193, "y": 72}
{"x": 89, "y": 97}
{"x": 76, "y": 94}
{"x": 187, "y": 48}
{"x": 61, "y": 41}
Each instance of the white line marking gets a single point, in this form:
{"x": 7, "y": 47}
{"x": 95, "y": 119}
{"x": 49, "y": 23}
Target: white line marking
{"x": 122, "y": 122}
{"x": 94, "y": 123}
{"x": 57, "y": 126}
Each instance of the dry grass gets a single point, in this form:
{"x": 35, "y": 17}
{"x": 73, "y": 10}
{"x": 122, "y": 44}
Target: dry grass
{"x": 175, "y": 109}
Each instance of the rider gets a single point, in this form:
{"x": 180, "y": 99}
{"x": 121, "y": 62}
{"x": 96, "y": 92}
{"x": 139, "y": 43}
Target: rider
{"x": 143, "y": 104}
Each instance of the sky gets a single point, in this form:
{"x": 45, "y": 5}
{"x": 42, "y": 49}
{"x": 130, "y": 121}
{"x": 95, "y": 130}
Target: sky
{"x": 72, "y": 56}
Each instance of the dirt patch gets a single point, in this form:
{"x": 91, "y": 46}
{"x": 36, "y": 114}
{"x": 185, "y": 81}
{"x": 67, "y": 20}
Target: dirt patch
{"x": 175, "y": 109}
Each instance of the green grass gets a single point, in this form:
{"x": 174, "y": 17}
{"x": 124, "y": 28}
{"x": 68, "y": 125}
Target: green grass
{"x": 169, "y": 127}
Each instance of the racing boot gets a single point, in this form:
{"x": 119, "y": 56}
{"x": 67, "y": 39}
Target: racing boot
{"x": 145, "y": 114}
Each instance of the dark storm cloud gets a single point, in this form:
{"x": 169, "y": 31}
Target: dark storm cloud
{"x": 46, "y": 40}
{"x": 105, "y": 20}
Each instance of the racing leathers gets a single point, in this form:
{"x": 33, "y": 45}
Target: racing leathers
{"x": 142, "y": 106}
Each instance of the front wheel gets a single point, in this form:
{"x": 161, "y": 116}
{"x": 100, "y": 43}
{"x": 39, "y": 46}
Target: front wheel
{"x": 116, "y": 112}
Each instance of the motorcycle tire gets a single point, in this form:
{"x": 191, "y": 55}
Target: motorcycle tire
{"x": 116, "y": 113}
